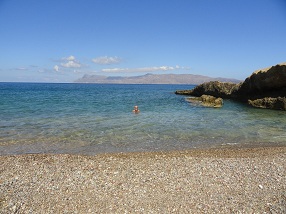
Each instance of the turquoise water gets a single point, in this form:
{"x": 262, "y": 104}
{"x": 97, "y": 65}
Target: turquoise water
{"x": 98, "y": 118}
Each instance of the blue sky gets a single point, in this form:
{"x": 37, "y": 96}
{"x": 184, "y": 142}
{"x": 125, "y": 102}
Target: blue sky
{"x": 61, "y": 40}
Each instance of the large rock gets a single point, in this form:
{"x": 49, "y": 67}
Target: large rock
{"x": 269, "y": 82}
{"x": 213, "y": 88}
{"x": 278, "y": 103}
{"x": 265, "y": 88}
{"x": 207, "y": 101}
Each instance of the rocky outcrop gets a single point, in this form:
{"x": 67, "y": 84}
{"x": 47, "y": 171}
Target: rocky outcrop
{"x": 213, "y": 88}
{"x": 278, "y": 103}
{"x": 207, "y": 101}
{"x": 269, "y": 82}
{"x": 265, "y": 88}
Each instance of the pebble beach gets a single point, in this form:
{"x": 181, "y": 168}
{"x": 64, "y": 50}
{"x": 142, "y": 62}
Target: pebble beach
{"x": 226, "y": 180}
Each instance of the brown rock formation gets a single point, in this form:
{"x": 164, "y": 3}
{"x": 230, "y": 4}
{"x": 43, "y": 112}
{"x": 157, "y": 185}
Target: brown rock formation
{"x": 213, "y": 88}
{"x": 269, "y": 82}
{"x": 265, "y": 88}
{"x": 207, "y": 101}
{"x": 278, "y": 103}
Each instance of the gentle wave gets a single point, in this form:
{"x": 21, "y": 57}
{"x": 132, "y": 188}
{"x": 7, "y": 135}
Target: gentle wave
{"x": 97, "y": 118}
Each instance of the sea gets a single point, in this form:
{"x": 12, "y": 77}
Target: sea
{"x": 92, "y": 119}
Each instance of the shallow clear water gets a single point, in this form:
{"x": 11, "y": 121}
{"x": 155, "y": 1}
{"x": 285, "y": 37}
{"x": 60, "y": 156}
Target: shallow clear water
{"x": 97, "y": 118}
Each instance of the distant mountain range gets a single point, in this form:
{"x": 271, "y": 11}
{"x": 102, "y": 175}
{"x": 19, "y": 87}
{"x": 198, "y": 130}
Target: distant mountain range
{"x": 153, "y": 79}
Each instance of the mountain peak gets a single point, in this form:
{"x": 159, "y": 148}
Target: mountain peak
{"x": 153, "y": 79}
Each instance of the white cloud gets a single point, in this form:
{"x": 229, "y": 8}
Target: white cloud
{"x": 105, "y": 60}
{"x": 68, "y": 62}
{"x": 44, "y": 70}
{"x": 144, "y": 69}
{"x": 56, "y": 68}
{"x": 115, "y": 70}
{"x": 70, "y": 58}
{"x": 71, "y": 64}
{"x": 22, "y": 69}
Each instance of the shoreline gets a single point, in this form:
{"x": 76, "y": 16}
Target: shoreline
{"x": 224, "y": 180}
{"x": 217, "y": 151}
{"x": 204, "y": 149}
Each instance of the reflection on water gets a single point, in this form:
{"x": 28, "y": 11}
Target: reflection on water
{"x": 94, "y": 118}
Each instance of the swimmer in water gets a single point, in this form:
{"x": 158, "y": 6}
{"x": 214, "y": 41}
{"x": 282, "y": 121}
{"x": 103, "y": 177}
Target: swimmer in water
{"x": 136, "y": 110}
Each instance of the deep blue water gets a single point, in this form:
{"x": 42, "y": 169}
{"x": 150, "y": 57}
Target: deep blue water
{"x": 98, "y": 118}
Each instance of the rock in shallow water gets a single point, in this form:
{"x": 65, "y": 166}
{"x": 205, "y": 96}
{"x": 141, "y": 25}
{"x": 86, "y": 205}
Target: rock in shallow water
{"x": 268, "y": 82}
{"x": 265, "y": 88}
{"x": 278, "y": 103}
{"x": 207, "y": 101}
{"x": 213, "y": 88}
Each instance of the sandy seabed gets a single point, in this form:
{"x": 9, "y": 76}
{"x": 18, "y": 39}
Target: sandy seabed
{"x": 238, "y": 180}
